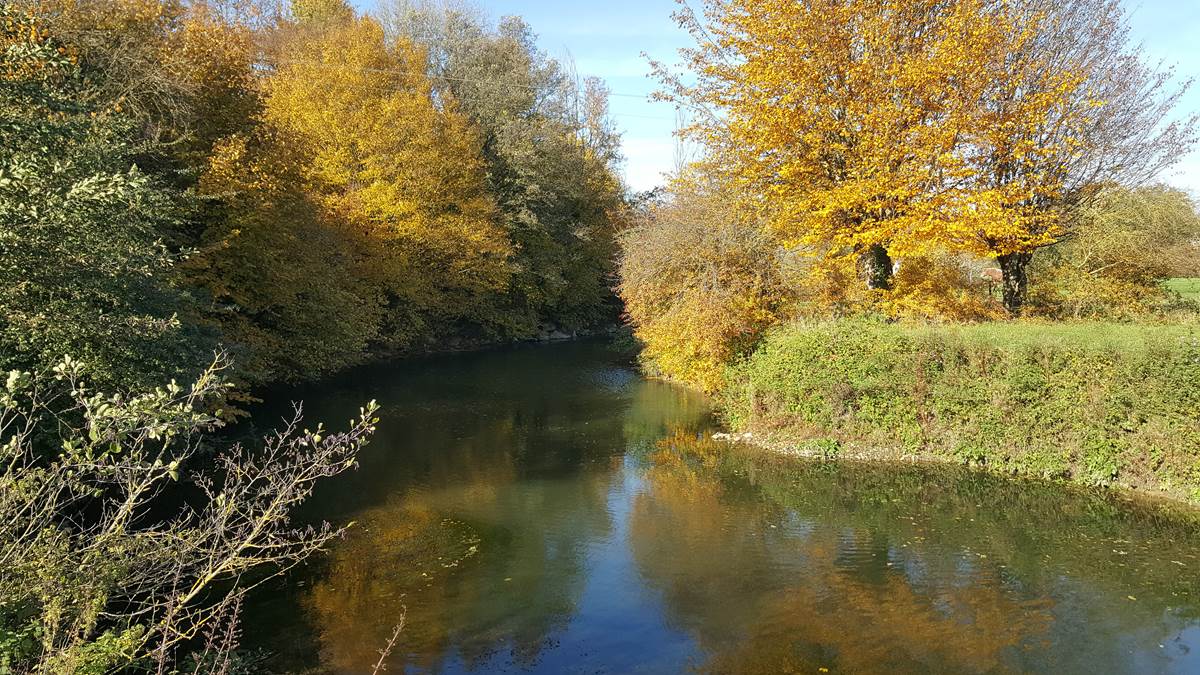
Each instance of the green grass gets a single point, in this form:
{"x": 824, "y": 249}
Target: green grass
{"x": 1188, "y": 288}
{"x": 1098, "y": 403}
{"x": 1096, "y": 335}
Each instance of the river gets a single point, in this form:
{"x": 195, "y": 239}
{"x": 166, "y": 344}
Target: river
{"x": 545, "y": 509}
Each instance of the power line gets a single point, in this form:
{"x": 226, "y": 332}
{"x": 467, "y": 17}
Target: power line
{"x": 512, "y": 85}
{"x": 391, "y": 71}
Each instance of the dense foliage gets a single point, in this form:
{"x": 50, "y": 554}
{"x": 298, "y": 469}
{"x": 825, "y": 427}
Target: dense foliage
{"x": 305, "y": 186}
{"x": 1101, "y": 403}
{"x": 871, "y": 132}
{"x": 549, "y": 150}
{"x": 1126, "y": 242}
{"x": 83, "y": 266}
{"x": 700, "y": 282}
{"x": 925, "y": 161}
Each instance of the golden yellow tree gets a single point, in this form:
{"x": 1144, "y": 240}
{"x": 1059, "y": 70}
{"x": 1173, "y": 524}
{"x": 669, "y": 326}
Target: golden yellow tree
{"x": 289, "y": 283}
{"x": 1070, "y": 106}
{"x": 843, "y": 119}
{"x": 868, "y": 130}
{"x": 383, "y": 156}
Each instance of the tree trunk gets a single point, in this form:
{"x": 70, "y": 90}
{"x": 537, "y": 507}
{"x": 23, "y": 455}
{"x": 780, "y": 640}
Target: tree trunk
{"x": 1014, "y": 267}
{"x": 877, "y": 267}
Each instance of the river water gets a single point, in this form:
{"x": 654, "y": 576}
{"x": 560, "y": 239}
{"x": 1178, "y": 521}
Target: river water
{"x": 545, "y": 509}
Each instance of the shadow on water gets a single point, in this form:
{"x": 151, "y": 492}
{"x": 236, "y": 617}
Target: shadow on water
{"x": 543, "y": 509}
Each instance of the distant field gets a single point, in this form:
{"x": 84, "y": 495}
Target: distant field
{"x": 1188, "y": 288}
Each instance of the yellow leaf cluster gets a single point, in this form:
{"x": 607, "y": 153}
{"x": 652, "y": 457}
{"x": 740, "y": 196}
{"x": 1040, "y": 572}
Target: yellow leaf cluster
{"x": 701, "y": 282}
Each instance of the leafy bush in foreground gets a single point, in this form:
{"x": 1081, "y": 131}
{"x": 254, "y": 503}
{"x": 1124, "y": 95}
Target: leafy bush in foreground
{"x": 101, "y": 568}
{"x": 1098, "y": 403}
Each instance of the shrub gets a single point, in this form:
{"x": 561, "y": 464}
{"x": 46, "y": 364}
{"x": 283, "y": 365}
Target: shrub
{"x": 1126, "y": 242}
{"x": 1098, "y": 403}
{"x": 701, "y": 282}
{"x": 103, "y": 567}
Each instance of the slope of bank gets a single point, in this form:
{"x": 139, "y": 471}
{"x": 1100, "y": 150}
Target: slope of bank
{"x": 1102, "y": 404}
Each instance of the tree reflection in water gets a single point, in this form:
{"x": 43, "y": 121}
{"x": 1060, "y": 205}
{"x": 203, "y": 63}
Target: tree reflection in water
{"x": 778, "y": 565}
{"x": 470, "y": 584}
{"x": 532, "y": 510}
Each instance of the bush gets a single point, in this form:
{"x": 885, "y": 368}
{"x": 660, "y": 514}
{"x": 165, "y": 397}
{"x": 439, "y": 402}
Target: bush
{"x": 1125, "y": 244}
{"x": 103, "y": 568}
{"x": 701, "y": 281}
{"x": 1097, "y": 403}
{"x": 83, "y": 268}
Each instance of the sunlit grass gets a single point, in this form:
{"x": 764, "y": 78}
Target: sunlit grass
{"x": 1188, "y": 288}
{"x": 1092, "y": 333}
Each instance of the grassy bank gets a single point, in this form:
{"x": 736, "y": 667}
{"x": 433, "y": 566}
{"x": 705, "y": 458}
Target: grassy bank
{"x": 1094, "y": 403}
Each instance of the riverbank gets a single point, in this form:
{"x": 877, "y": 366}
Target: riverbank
{"x": 542, "y": 508}
{"x": 1097, "y": 404}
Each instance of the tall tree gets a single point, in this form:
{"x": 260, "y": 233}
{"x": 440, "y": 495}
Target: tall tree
{"x": 179, "y": 69}
{"x": 1071, "y": 107}
{"x": 892, "y": 129}
{"x": 841, "y": 119}
{"x": 288, "y": 282}
{"x": 551, "y": 156}
{"x": 405, "y": 169}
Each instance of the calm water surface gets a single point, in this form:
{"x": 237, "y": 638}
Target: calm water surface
{"x": 544, "y": 509}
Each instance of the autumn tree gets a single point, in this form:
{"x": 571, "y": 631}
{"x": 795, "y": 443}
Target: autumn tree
{"x": 181, "y": 70}
{"x": 550, "y": 153}
{"x": 331, "y": 189}
{"x": 388, "y": 160}
{"x": 887, "y": 130}
{"x": 1123, "y": 244}
{"x": 841, "y": 120}
{"x": 1071, "y": 107}
{"x": 287, "y": 281}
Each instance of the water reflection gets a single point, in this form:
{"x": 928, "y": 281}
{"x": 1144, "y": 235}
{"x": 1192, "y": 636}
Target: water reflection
{"x": 470, "y": 583}
{"x": 545, "y": 510}
{"x": 908, "y": 569}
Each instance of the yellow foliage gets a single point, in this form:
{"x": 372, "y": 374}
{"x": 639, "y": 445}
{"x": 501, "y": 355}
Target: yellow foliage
{"x": 918, "y": 126}
{"x": 940, "y": 288}
{"x": 697, "y": 337}
{"x": 292, "y": 282}
{"x": 701, "y": 281}
{"x": 216, "y": 59}
{"x": 182, "y": 69}
{"x": 383, "y": 156}
{"x": 1068, "y": 292}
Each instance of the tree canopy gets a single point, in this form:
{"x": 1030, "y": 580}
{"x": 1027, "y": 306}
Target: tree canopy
{"x": 303, "y": 185}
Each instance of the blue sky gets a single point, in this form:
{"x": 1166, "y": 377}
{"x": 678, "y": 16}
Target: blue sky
{"x": 606, "y": 39}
